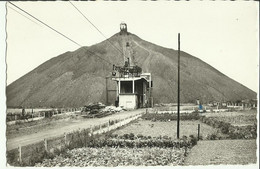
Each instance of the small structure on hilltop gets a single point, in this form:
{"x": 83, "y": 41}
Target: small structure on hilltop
{"x": 123, "y": 28}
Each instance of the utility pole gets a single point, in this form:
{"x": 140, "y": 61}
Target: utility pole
{"x": 178, "y": 106}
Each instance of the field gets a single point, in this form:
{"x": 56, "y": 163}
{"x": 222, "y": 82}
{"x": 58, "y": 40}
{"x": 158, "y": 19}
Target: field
{"x": 240, "y": 118}
{"x": 154, "y": 129}
{"x": 150, "y": 140}
{"x": 112, "y": 157}
{"x": 223, "y": 152}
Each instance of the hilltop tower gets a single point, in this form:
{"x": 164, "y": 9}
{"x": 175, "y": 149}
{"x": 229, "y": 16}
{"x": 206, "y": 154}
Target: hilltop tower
{"x": 123, "y": 28}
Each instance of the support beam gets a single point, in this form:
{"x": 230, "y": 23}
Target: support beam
{"x": 133, "y": 86}
{"x": 119, "y": 86}
{"x": 117, "y": 92}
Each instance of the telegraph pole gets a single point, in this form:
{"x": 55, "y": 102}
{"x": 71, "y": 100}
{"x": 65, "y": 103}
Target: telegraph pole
{"x": 178, "y": 106}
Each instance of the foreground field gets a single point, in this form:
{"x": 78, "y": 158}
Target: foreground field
{"x": 147, "y": 141}
{"x": 223, "y": 152}
{"x": 155, "y": 129}
{"x": 112, "y": 157}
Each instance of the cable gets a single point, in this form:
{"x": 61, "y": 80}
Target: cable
{"x": 45, "y": 24}
{"x": 95, "y": 27}
{"x": 58, "y": 32}
{"x": 23, "y": 15}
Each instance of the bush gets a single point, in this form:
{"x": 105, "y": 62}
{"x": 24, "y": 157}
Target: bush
{"x": 126, "y": 136}
{"x": 169, "y": 117}
{"x": 212, "y": 137}
{"x": 114, "y": 135}
{"x": 140, "y": 136}
{"x": 193, "y": 140}
{"x": 233, "y": 132}
{"x": 111, "y": 122}
{"x": 165, "y": 137}
{"x": 131, "y": 136}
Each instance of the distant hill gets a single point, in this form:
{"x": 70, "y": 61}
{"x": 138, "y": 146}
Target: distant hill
{"x": 77, "y": 78}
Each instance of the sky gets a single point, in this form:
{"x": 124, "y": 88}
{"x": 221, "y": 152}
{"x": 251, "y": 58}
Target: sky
{"x": 223, "y": 34}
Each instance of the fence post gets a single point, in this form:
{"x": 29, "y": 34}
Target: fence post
{"x": 20, "y": 153}
{"x": 108, "y": 125}
{"x": 198, "y": 132}
{"x": 91, "y": 131}
{"x": 65, "y": 139}
{"x": 45, "y": 145}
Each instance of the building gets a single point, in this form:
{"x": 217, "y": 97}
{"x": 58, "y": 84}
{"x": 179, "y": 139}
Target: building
{"x": 134, "y": 91}
{"x": 134, "y": 88}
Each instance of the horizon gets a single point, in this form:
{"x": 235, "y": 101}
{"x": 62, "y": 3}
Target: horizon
{"x": 208, "y": 50}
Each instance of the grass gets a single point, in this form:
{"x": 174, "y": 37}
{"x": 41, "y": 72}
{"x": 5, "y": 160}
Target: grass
{"x": 155, "y": 129}
{"x": 240, "y": 118}
{"x": 222, "y": 152}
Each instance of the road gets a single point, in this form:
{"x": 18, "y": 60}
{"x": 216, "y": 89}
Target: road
{"x": 64, "y": 127}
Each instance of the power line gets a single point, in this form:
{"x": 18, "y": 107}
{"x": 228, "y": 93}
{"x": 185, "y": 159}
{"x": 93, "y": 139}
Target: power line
{"x": 45, "y": 24}
{"x": 96, "y": 27}
{"x": 22, "y": 15}
{"x": 58, "y": 32}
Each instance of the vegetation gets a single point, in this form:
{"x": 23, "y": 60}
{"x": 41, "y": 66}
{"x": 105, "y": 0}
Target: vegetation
{"x": 233, "y": 132}
{"x": 112, "y": 157}
{"x": 114, "y": 150}
{"x": 170, "y": 116}
{"x": 148, "y": 128}
{"x": 145, "y": 142}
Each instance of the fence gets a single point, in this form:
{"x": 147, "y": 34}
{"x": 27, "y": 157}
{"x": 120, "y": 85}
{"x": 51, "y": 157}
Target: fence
{"x": 30, "y": 154}
{"x": 174, "y": 112}
{"x": 14, "y": 117}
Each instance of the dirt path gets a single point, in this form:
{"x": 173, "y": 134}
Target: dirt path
{"x": 222, "y": 152}
{"x": 67, "y": 126}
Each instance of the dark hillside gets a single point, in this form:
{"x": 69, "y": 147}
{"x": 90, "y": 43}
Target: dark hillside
{"x": 78, "y": 78}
